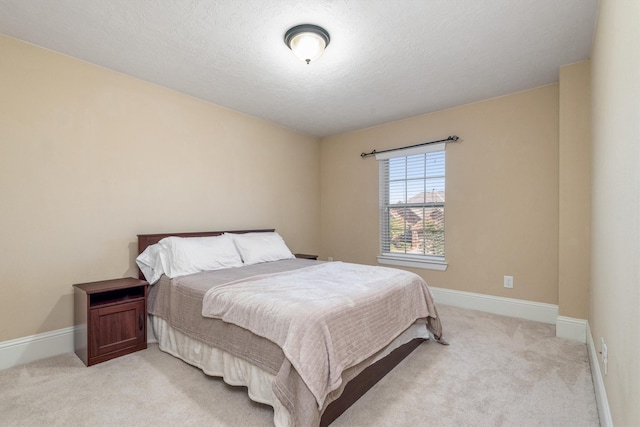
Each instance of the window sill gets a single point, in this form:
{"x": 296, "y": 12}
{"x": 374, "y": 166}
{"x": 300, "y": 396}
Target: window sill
{"x": 430, "y": 264}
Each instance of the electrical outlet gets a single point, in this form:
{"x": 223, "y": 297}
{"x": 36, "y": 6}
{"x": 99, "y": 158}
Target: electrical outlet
{"x": 330, "y": 259}
{"x": 508, "y": 282}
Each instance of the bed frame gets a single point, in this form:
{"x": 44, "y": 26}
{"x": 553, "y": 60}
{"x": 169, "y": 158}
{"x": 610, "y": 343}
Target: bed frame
{"x": 359, "y": 385}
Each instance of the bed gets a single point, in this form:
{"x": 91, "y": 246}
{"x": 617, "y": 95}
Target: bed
{"x": 243, "y": 355}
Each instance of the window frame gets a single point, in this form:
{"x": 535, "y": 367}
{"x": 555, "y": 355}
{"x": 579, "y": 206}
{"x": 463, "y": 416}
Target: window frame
{"x": 425, "y": 261}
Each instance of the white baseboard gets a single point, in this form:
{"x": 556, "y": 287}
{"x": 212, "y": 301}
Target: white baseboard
{"x": 40, "y": 346}
{"x": 598, "y": 383}
{"x": 36, "y": 347}
{"x": 540, "y": 312}
{"x": 571, "y": 328}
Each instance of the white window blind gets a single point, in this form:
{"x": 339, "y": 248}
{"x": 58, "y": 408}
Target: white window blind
{"x": 412, "y": 204}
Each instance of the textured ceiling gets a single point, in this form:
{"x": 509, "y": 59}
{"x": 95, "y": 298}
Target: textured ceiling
{"x": 387, "y": 60}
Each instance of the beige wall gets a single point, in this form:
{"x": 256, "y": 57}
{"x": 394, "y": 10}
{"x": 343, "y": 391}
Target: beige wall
{"x": 615, "y": 267}
{"x": 502, "y": 193}
{"x": 575, "y": 190}
{"x": 89, "y": 158}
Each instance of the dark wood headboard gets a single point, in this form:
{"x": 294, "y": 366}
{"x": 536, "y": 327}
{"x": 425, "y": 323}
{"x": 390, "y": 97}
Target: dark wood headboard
{"x": 145, "y": 240}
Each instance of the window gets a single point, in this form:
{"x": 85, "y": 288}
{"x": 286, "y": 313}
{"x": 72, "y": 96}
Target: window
{"x": 412, "y": 207}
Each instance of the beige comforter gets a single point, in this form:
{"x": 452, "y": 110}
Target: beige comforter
{"x": 327, "y": 317}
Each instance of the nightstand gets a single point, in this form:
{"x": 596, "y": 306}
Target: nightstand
{"x": 306, "y": 256}
{"x": 110, "y": 319}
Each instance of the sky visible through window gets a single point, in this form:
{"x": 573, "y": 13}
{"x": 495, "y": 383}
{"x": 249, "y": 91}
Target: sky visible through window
{"x": 418, "y": 175}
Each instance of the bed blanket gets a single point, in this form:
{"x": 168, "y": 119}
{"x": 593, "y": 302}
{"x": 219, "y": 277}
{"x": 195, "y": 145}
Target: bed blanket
{"x": 328, "y": 317}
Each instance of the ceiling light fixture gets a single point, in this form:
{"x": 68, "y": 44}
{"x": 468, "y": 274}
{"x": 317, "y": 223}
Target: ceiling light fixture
{"x": 307, "y": 41}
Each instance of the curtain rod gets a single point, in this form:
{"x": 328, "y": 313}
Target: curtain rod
{"x": 453, "y": 138}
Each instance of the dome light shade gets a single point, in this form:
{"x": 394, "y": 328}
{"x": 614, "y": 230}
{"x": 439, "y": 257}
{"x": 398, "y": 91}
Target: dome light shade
{"x": 307, "y": 41}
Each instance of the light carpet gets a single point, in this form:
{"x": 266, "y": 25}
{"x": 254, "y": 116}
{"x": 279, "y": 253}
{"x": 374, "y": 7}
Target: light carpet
{"x": 497, "y": 371}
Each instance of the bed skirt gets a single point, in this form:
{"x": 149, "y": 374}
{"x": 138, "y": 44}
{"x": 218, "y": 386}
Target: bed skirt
{"x": 238, "y": 372}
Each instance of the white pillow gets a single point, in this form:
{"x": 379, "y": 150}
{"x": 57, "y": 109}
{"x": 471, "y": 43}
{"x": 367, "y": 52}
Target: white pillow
{"x": 261, "y": 247}
{"x": 189, "y": 255}
{"x": 179, "y": 256}
{"x": 150, "y": 263}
